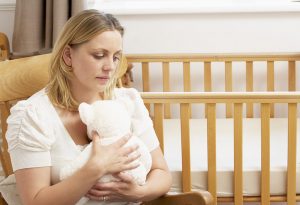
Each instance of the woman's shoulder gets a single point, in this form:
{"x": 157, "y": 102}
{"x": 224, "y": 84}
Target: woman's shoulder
{"x": 37, "y": 101}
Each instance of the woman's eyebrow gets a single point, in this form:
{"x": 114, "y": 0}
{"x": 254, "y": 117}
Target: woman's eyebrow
{"x": 106, "y": 51}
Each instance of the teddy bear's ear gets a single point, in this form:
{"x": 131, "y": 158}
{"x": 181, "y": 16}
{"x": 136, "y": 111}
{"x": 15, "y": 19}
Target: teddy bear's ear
{"x": 86, "y": 113}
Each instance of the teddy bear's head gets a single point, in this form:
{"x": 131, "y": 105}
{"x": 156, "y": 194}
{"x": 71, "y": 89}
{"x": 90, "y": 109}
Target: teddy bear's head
{"x": 109, "y": 118}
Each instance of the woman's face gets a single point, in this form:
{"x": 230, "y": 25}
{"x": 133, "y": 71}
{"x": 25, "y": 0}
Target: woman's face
{"x": 95, "y": 61}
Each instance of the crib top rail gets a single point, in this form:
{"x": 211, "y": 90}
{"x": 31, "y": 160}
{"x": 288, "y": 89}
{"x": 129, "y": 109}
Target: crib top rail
{"x": 221, "y": 97}
{"x": 209, "y": 57}
{"x": 230, "y": 72}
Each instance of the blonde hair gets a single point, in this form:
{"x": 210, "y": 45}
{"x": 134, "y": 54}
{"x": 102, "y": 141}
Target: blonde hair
{"x": 79, "y": 29}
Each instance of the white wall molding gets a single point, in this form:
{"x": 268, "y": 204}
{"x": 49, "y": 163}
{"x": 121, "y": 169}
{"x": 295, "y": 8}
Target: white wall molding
{"x": 146, "y": 7}
{"x": 7, "y": 5}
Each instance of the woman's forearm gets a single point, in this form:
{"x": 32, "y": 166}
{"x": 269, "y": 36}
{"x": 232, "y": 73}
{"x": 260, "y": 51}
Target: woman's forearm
{"x": 158, "y": 183}
{"x": 68, "y": 191}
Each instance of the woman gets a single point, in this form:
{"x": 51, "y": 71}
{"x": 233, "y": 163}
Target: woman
{"x": 45, "y": 131}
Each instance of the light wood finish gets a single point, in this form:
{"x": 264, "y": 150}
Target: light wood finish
{"x": 189, "y": 198}
{"x": 238, "y": 153}
{"x": 185, "y": 146}
{"x": 265, "y": 153}
{"x": 187, "y": 80}
{"x": 22, "y": 77}
{"x": 292, "y": 153}
{"x": 249, "y": 86}
{"x": 211, "y": 150}
{"x": 264, "y": 99}
{"x": 257, "y": 199}
{"x": 228, "y": 86}
{"x": 5, "y": 159}
{"x": 158, "y": 123}
{"x": 166, "y": 87}
{"x": 228, "y": 59}
{"x": 4, "y": 47}
{"x": 270, "y": 82}
{"x": 186, "y": 77}
{"x": 221, "y": 97}
{"x": 213, "y": 57}
{"x": 145, "y": 77}
{"x": 207, "y": 80}
{"x": 292, "y": 76}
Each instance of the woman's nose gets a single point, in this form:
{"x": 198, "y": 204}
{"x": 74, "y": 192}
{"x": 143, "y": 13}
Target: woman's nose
{"x": 109, "y": 64}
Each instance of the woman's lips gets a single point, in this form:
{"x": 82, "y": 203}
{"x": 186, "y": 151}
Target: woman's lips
{"x": 103, "y": 79}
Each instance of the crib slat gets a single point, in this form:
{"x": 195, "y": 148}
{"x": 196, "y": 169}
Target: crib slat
{"x": 292, "y": 146}
{"x": 265, "y": 153}
{"x": 270, "y": 81}
{"x": 145, "y": 77}
{"x": 292, "y": 76}
{"x": 158, "y": 123}
{"x": 228, "y": 86}
{"x": 207, "y": 76}
{"x": 207, "y": 80}
{"x": 185, "y": 146}
{"x": 238, "y": 153}
{"x": 249, "y": 86}
{"x": 211, "y": 150}
{"x": 187, "y": 79}
{"x": 166, "y": 87}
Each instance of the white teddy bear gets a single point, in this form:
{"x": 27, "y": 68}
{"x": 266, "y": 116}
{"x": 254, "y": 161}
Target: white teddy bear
{"x": 111, "y": 119}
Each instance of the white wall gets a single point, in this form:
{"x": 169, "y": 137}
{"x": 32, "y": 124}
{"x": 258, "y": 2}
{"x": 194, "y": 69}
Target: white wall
{"x": 7, "y": 15}
{"x": 210, "y": 33}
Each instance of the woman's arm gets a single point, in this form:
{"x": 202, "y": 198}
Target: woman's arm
{"x": 34, "y": 184}
{"x": 159, "y": 179}
{"x": 158, "y": 183}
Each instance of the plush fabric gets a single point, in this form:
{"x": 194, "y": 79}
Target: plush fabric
{"x": 112, "y": 120}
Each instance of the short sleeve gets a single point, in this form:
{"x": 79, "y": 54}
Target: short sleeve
{"x": 142, "y": 125}
{"x": 28, "y": 140}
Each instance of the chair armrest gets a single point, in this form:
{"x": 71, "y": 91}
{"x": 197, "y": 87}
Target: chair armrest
{"x": 189, "y": 198}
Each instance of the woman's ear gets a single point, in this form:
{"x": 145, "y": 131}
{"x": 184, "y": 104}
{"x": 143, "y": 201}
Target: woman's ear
{"x": 67, "y": 56}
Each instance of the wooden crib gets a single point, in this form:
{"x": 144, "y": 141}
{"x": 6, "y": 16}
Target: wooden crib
{"x": 146, "y": 68}
{"x": 266, "y": 101}
{"x": 147, "y": 64}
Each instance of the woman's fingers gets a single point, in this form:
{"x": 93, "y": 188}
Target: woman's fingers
{"x": 129, "y": 150}
{"x": 122, "y": 141}
{"x": 124, "y": 177}
{"x": 95, "y": 136}
{"x": 131, "y": 158}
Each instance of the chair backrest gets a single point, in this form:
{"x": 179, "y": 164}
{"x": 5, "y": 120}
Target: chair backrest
{"x": 20, "y": 79}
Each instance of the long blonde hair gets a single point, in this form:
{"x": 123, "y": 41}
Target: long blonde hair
{"x": 79, "y": 29}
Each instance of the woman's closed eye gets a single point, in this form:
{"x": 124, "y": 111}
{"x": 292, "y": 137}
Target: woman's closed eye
{"x": 117, "y": 58}
{"x": 98, "y": 56}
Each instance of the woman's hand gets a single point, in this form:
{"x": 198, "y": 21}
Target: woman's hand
{"x": 125, "y": 190}
{"x": 113, "y": 158}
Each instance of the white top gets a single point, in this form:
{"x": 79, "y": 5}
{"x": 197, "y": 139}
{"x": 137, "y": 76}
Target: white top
{"x": 37, "y": 137}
